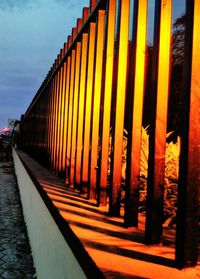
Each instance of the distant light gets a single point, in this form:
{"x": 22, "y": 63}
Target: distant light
{"x": 5, "y": 130}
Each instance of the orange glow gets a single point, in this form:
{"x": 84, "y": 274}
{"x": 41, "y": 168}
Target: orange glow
{"x": 103, "y": 239}
{"x": 133, "y": 166}
{"x": 69, "y": 132}
{"x": 195, "y": 99}
{"x": 107, "y": 99}
{"x": 66, "y": 96}
{"x": 79, "y": 24}
{"x": 120, "y": 99}
{"x": 97, "y": 99}
{"x": 49, "y": 118}
{"x": 58, "y": 169}
{"x": 54, "y": 121}
{"x": 138, "y": 88}
{"x": 75, "y": 109}
{"x": 85, "y": 14}
{"x": 89, "y": 89}
{"x": 92, "y": 4}
{"x": 62, "y": 118}
{"x": 162, "y": 88}
{"x": 57, "y": 118}
{"x": 81, "y": 108}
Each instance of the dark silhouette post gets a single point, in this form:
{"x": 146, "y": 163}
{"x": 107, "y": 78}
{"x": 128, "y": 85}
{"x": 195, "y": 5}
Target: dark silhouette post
{"x": 189, "y": 180}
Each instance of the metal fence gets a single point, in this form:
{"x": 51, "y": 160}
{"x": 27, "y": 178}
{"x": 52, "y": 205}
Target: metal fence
{"x": 108, "y": 81}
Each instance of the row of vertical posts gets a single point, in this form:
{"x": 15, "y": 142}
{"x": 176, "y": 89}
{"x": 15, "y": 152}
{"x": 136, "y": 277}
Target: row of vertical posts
{"x": 95, "y": 81}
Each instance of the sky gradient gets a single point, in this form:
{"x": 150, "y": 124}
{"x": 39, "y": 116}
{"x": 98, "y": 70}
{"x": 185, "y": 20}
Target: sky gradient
{"x": 32, "y": 32}
{"x": 31, "y": 35}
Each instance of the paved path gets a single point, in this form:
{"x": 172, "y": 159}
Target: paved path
{"x": 15, "y": 254}
{"x": 119, "y": 252}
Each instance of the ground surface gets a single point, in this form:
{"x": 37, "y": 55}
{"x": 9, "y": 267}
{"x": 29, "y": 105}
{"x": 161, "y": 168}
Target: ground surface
{"x": 118, "y": 252}
{"x": 15, "y": 253}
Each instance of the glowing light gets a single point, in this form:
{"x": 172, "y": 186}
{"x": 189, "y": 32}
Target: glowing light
{"x": 66, "y": 101}
{"x": 133, "y": 166}
{"x": 69, "y": 132}
{"x": 60, "y": 85}
{"x": 90, "y": 74}
{"x": 120, "y": 103}
{"x": 75, "y": 109}
{"x": 107, "y": 100}
{"x": 63, "y": 92}
{"x": 81, "y": 108}
{"x": 96, "y": 102}
{"x": 162, "y": 86}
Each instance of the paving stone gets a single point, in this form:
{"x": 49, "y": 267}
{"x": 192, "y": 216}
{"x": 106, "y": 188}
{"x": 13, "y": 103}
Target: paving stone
{"x": 15, "y": 252}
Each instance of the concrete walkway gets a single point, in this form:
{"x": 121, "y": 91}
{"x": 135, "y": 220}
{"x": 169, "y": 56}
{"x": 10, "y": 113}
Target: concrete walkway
{"x": 117, "y": 251}
{"x": 15, "y": 253}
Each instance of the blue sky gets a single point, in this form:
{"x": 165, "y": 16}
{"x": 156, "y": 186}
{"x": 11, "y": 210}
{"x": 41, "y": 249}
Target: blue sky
{"x": 31, "y": 35}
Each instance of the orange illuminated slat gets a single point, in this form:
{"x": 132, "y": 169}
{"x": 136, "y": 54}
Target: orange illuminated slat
{"x": 157, "y": 138}
{"x": 134, "y": 146}
{"x": 92, "y": 4}
{"x": 66, "y": 101}
{"x": 41, "y": 117}
{"x": 56, "y": 122}
{"x": 74, "y": 33}
{"x": 85, "y": 14}
{"x": 53, "y": 121}
{"x": 194, "y": 134}
{"x": 63, "y": 82}
{"x": 163, "y": 83}
{"x": 89, "y": 86}
{"x": 79, "y": 24}
{"x": 61, "y": 121}
{"x": 187, "y": 219}
{"x": 47, "y": 109}
{"x": 46, "y": 118}
{"x": 75, "y": 109}
{"x": 69, "y": 132}
{"x": 107, "y": 101}
{"x": 62, "y": 118}
{"x": 81, "y": 109}
{"x": 114, "y": 205}
{"x": 49, "y": 119}
{"x": 37, "y": 124}
{"x": 45, "y": 115}
{"x": 96, "y": 102}
{"x": 55, "y": 117}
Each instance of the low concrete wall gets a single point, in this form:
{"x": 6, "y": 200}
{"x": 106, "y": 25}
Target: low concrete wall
{"x": 53, "y": 258}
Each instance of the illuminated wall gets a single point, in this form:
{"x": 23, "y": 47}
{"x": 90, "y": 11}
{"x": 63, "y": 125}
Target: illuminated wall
{"x": 95, "y": 92}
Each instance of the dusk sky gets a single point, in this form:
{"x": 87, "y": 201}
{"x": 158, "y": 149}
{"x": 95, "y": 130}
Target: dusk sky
{"x": 31, "y": 35}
